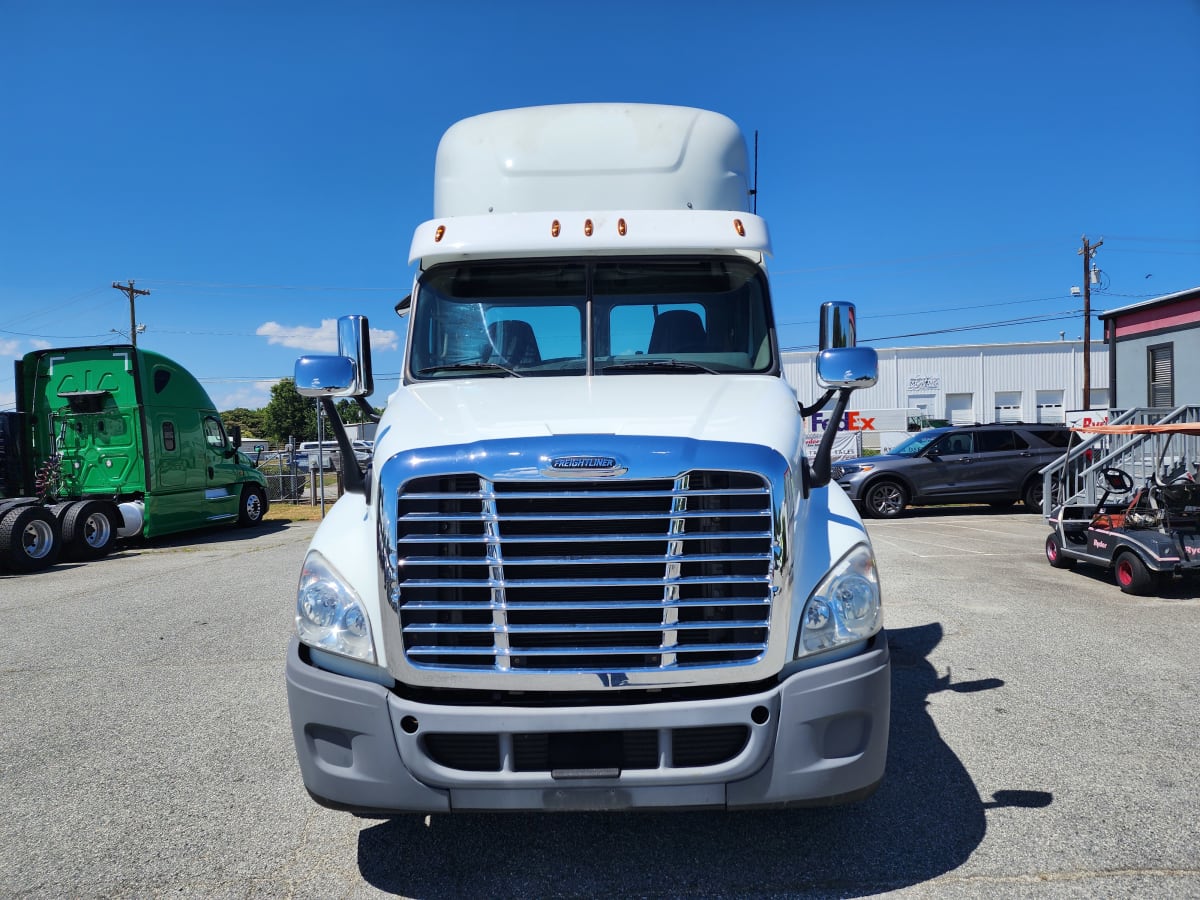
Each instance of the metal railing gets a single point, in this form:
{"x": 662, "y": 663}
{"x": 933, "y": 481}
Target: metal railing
{"x": 1072, "y": 478}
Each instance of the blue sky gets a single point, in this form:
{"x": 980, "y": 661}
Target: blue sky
{"x": 260, "y": 166}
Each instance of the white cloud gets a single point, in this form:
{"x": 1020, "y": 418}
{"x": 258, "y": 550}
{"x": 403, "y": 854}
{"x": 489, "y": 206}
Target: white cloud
{"x": 249, "y": 396}
{"x": 39, "y": 344}
{"x": 384, "y": 339}
{"x": 322, "y": 339}
{"x": 10, "y": 348}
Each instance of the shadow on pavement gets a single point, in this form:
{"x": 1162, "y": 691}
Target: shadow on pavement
{"x": 226, "y": 534}
{"x": 925, "y": 820}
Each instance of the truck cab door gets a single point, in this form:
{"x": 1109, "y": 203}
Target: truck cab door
{"x": 223, "y": 485}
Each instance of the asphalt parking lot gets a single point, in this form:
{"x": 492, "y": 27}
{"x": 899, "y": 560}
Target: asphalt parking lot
{"x": 1044, "y": 743}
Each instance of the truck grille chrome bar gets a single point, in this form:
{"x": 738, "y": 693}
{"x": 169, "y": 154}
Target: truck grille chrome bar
{"x": 544, "y": 576}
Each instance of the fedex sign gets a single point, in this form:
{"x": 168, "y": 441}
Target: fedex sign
{"x": 851, "y": 421}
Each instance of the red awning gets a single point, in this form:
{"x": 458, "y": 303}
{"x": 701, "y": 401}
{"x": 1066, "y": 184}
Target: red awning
{"x": 1167, "y": 428}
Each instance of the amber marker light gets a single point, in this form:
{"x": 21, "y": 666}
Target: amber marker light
{"x": 621, "y": 227}
{"x": 739, "y": 227}
{"x": 439, "y": 234}
{"x": 587, "y": 227}
{"x": 555, "y": 228}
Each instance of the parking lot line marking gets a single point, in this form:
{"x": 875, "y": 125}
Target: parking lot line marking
{"x": 900, "y": 545}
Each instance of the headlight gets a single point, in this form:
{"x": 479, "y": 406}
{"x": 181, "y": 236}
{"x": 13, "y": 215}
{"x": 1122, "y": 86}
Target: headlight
{"x": 845, "y": 607}
{"x": 329, "y": 614}
{"x": 843, "y": 471}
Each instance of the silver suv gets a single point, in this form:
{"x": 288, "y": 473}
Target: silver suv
{"x": 996, "y": 464}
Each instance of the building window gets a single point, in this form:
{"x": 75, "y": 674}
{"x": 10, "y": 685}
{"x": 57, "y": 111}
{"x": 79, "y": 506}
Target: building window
{"x": 1160, "y": 366}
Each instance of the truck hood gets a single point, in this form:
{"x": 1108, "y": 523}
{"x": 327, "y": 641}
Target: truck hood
{"x": 754, "y": 409}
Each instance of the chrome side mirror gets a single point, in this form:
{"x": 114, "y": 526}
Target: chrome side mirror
{"x": 848, "y": 367}
{"x": 838, "y": 325}
{"x": 346, "y": 375}
{"x": 325, "y": 376}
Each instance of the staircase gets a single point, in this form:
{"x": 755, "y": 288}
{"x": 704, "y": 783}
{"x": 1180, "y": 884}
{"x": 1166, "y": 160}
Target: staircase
{"x": 1073, "y": 477}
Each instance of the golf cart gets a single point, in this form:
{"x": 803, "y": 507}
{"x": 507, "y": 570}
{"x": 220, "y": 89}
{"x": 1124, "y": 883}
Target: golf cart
{"x": 1147, "y": 533}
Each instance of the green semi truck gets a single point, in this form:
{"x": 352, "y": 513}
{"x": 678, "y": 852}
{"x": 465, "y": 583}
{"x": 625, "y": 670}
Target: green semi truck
{"x": 113, "y": 442}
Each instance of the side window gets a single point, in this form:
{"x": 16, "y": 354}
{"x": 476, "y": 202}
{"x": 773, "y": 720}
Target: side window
{"x": 996, "y": 441}
{"x": 214, "y": 434}
{"x": 1055, "y": 437}
{"x": 168, "y": 436}
{"x": 955, "y": 443}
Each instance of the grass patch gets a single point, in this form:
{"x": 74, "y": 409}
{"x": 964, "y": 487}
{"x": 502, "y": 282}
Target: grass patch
{"x": 295, "y": 512}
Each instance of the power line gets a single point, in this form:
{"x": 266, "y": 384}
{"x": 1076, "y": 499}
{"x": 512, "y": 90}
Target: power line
{"x": 57, "y": 337}
{"x": 1055, "y": 316}
{"x": 1158, "y": 240}
{"x": 941, "y": 309}
{"x": 217, "y": 285}
{"x": 902, "y": 260}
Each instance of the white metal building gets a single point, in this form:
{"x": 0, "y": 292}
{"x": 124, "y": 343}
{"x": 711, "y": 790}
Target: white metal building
{"x": 1026, "y": 382}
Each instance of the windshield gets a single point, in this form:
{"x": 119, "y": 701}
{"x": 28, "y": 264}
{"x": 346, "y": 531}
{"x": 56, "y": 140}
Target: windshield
{"x": 915, "y": 444}
{"x": 594, "y": 317}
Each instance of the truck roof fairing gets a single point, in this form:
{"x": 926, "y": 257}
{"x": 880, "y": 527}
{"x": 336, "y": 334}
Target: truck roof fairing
{"x": 580, "y": 156}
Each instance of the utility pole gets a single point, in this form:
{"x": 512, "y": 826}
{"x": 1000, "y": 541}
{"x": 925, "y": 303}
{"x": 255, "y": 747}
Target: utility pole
{"x": 133, "y": 292}
{"x": 1087, "y": 251}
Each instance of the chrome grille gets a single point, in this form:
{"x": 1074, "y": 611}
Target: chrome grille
{"x": 584, "y": 575}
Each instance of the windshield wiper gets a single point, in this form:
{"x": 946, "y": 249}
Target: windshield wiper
{"x": 677, "y": 365}
{"x": 469, "y": 367}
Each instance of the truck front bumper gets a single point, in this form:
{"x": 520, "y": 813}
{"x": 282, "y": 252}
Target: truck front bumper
{"x": 818, "y": 737}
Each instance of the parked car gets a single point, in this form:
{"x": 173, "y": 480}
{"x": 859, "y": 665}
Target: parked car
{"x": 329, "y": 453}
{"x": 996, "y": 464}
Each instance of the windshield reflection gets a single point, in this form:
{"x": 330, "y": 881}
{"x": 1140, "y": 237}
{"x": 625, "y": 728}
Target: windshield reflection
{"x": 915, "y": 444}
{"x": 681, "y": 316}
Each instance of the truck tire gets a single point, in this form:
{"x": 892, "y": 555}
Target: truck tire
{"x": 253, "y": 506}
{"x": 885, "y": 499}
{"x": 1132, "y": 575}
{"x": 29, "y": 539}
{"x": 89, "y": 529}
{"x": 1054, "y": 553}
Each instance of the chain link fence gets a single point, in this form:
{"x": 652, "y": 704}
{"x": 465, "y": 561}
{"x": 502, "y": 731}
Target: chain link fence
{"x": 291, "y": 481}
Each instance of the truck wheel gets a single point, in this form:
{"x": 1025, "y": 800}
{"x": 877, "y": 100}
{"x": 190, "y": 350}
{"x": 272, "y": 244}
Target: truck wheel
{"x": 1132, "y": 575}
{"x": 1054, "y": 553}
{"x": 253, "y": 506}
{"x": 885, "y": 500}
{"x": 89, "y": 529}
{"x": 29, "y": 539}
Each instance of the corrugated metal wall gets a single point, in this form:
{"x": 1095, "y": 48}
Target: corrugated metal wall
{"x": 967, "y": 383}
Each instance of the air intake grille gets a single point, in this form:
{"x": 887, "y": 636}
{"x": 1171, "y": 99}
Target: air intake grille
{"x": 621, "y": 750}
{"x": 585, "y": 576}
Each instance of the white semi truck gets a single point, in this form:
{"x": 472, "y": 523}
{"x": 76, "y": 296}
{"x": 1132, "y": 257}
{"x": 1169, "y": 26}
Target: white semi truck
{"x": 589, "y": 566}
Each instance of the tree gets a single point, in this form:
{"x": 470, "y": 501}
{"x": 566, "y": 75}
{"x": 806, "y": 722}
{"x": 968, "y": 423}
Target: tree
{"x": 349, "y": 411}
{"x": 251, "y": 420}
{"x": 352, "y": 414}
{"x": 288, "y": 415}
